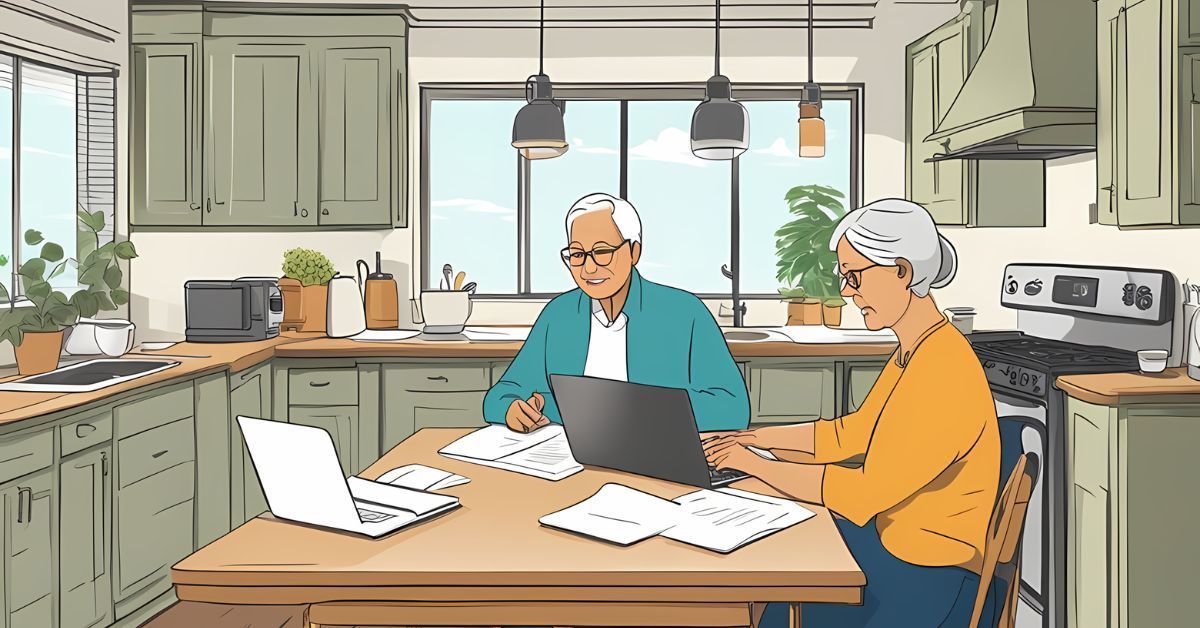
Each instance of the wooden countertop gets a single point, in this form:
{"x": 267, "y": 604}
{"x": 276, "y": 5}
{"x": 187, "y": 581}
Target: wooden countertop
{"x": 492, "y": 548}
{"x": 1112, "y": 389}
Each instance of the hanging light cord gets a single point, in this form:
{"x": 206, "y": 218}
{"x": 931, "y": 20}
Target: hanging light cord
{"x": 810, "y": 41}
{"x": 717, "y": 51}
{"x": 542, "y": 39}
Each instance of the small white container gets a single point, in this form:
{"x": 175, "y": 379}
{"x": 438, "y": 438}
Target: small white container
{"x": 1152, "y": 360}
{"x": 90, "y": 336}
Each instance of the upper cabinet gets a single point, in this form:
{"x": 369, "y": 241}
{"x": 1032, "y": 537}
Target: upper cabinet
{"x": 268, "y": 120}
{"x": 1148, "y": 112}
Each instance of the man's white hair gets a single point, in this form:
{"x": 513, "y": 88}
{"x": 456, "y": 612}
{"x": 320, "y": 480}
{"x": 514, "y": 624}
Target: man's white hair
{"x": 891, "y": 229}
{"x": 623, "y": 214}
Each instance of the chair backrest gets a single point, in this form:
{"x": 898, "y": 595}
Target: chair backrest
{"x": 1003, "y": 538}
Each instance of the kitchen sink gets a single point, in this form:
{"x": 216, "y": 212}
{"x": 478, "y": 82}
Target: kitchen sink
{"x": 747, "y": 336}
{"x": 88, "y": 375}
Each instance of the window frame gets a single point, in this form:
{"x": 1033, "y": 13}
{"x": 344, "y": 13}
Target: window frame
{"x": 623, "y": 94}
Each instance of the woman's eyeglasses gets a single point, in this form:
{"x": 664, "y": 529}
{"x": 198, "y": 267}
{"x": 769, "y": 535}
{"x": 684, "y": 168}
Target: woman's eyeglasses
{"x": 853, "y": 278}
{"x": 602, "y": 254}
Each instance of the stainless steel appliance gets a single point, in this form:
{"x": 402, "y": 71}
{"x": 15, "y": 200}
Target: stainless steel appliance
{"x": 238, "y": 310}
{"x": 1070, "y": 319}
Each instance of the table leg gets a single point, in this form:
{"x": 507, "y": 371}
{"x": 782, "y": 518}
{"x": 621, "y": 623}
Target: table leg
{"x": 794, "y": 615}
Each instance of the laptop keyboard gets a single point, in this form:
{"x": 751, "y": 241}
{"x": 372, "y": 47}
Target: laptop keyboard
{"x": 370, "y": 516}
{"x": 724, "y": 476}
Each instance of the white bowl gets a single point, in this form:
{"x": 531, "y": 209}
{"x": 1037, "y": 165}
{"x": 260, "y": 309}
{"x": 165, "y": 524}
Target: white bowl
{"x": 1152, "y": 360}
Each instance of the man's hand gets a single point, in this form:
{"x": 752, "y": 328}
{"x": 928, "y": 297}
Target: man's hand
{"x": 728, "y": 453}
{"x": 526, "y": 415}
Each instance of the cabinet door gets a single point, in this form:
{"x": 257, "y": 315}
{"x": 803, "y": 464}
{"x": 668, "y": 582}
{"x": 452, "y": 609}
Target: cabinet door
{"x": 356, "y": 136}
{"x": 1189, "y": 149}
{"x": 166, "y": 135}
{"x": 860, "y": 378}
{"x": 342, "y": 424}
{"x": 1107, "y": 24}
{"x": 922, "y": 119}
{"x": 1089, "y": 533}
{"x": 791, "y": 393}
{"x": 249, "y": 395}
{"x": 85, "y": 593}
{"x": 1143, "y": 116}
{"x": 28, "y": 506}
{"x": 947, "y": 206}
{"x": 261, "y": 135}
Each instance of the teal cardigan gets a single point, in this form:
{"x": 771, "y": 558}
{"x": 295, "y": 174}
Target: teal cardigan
{"x": 672, "y": 340}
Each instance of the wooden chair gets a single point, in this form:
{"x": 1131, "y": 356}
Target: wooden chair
{"x": 1001, "y": 552}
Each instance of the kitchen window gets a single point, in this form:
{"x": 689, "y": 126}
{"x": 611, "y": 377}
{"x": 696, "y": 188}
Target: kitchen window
{"x": 499, "y": 218}
{"x": 57, "y": 157}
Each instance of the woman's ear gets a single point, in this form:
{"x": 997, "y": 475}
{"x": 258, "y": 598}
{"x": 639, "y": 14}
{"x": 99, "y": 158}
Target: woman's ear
{"x": 904, "y": 268}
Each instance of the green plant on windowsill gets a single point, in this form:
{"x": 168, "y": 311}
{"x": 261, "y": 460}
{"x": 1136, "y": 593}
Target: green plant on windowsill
{"x": 806, "y": 267}
{"x": 41, "y": 322}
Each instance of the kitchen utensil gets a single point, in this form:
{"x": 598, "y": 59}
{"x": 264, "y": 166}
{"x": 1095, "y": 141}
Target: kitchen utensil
{"x": 380, "y": 294}
{"x": 458, "y": 280}
{"x": 447, "y": 271}
{"x": 345, "y": 311}
{"x": 111, "y": 337}
{"x": 445, "y": 311}
{"x": 1152, "y": 360}
{"x": 469, "y": 288}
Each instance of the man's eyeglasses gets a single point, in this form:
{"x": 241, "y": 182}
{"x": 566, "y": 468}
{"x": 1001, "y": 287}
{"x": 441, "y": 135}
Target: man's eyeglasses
{"x": 602, "y": 254}
{"x": 853, "y": 278}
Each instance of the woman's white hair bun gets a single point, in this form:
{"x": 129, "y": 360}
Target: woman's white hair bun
{"x": 892, "y": 229}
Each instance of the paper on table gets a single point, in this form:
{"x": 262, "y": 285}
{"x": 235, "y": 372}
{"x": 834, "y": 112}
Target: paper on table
{"x": 385, "y": 335}
{"x": 617, "y": 514}
{"x": 496, "y": 334}
{"x": 418, "y": 502}
{"x": 422, "y": 478}
{"x": 543, "y": 453}
{"x": 726, "y": 519}
{"x": 819, "y": 334}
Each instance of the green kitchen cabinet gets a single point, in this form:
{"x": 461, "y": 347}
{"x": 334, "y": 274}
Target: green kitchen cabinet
{"x": 342, "y": 424}
{"x": 213, "y": 477}
{"x": 792, "y": 391}
{"x": 249, "y": 395}
{"x": 445, "y": 394}
{"x": 860, "y": 377}
{"x": 260, "y": 134}
{"x": 155, "y": 487}
{"x": 166, "y": 146}
{"x": 357, "y": 135}
{"x": 1129, "y": 559}
{"x": 28, "y": 571}
{"x": 85, "y": 524}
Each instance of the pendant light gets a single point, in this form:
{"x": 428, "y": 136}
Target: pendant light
{"x": 812, "y": 125}
{"x": 538, "y": 131}
{"x": 720, "y": 125}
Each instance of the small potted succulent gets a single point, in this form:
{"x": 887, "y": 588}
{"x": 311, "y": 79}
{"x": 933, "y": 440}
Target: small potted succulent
{"x": 806, "y": 267}
{"x": 36, "y": 330}
{"x": 305, "y": 288}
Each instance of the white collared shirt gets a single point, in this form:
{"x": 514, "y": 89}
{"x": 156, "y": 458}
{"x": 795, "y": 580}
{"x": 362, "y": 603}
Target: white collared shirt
{"x": 606, "y": 356}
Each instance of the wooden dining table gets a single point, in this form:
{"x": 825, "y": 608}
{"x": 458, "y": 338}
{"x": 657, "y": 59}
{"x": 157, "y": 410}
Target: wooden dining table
{"x": 490, "y": 563}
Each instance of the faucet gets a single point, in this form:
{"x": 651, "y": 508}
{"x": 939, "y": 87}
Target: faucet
{"x": 739, "y": 307}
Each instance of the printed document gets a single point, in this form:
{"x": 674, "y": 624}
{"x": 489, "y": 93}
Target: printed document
{"x": 543, "y": 453}
{"x": 617, "y": 514}
{"x": 422, "y": 478}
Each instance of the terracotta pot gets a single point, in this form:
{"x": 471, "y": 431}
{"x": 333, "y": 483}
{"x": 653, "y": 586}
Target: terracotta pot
{"x": 313, "y": 304}
{"x": 293, "y": 304}
{"x": 831, "y": 315}
{"x": 805, "y": 312}
{"x": 39, "y": 352}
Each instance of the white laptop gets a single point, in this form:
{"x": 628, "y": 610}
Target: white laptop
{"x": 302, "y": 479}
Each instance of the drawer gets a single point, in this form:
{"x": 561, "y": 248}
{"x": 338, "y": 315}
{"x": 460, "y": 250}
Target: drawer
{"x": 165, "y": 406}
{"x": 439, "y": 378}
{"x": 323, "y": 387}
{"x": 91, "y": 430}
{"x": 153, "y": 451}
{"x": 793, "y": 393}
{"x": 25, "y": 454}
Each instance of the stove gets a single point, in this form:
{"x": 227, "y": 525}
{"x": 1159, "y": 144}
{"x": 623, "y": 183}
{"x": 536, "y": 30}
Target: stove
{"x": 1070, "y": 320}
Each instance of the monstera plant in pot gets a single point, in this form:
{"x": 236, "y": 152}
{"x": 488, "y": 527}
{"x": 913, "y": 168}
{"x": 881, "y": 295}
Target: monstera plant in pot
{"x": 806, "y": 267}
{"x": 35, "y": 329}
{"x": 305, "y": 289}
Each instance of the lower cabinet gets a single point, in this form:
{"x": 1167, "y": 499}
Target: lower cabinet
{"x": 792, "y": 392}
{"x": 342, "y": 424}
{"x": 249, "y": 395}
{"x": 85, "y": 515}
{"x": 28, "y": 573}
{"x": 440, "y": 394}
{"x": 860, "y": 377}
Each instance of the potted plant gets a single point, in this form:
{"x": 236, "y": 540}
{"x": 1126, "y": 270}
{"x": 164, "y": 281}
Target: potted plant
{"x": 305, "y": 288}
{"x": 36, "y": 329}
{"x": 806, "y": 266}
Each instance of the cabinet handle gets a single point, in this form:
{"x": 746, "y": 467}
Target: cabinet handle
{"x": 104, "y": 463}
{"x": 318, "y": 384}
{"x": 324, "y": 211}
{"x": 194, "y": 206}
{"x": 21, "y": 516}
{"x": 83, "y": 429}
{"x": 160, "y": 454}
{"x": 295, "y": 208}
{"x": 438, "y": 378}
{"x": 303, "y": 212}
{"x": 1108, "y": 188}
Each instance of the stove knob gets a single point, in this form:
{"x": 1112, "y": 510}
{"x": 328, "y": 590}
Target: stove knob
{"x": 1127, "y": 296}
{"x": 1011, "y": 286}
{"x": 1145, "y": 299}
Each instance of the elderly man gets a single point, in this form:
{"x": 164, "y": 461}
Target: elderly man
{"x": 617, "y": 325}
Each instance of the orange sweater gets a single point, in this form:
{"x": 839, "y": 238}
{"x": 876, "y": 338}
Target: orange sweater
{"x": 932, "y": 445}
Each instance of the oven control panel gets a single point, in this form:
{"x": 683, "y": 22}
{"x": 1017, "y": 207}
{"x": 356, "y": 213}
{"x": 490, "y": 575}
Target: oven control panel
{"x": 1003, "y": 375}
{"x": 1147, "y": 296}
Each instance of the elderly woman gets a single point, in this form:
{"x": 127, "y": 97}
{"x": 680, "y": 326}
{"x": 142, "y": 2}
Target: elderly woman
{"x": 914, "y": 514}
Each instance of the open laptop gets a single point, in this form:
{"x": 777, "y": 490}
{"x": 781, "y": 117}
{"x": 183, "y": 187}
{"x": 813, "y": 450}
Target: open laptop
{"x": 647, "y": 430}
{"x": 302, "y": 479}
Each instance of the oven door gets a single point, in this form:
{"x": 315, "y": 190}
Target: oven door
{"x": 1023, "y": 430}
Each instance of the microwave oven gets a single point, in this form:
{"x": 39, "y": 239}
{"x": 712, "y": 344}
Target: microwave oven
{"x": 239, "y": 310}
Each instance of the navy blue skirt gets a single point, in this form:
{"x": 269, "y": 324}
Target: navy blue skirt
{"x": 898, "y": 594}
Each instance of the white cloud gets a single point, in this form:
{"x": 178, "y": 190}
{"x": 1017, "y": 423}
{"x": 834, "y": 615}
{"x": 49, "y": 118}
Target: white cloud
{"x": 477, "y": 206}
{"x": 778, "y": 148}
{"x": 577, "y": 146}
{"x": 672, "y": 146}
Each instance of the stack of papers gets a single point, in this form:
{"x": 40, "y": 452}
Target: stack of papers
{"x": 721, "y": 520}
{"x": 496, "y": 334}
{"x": 422, "y": 478}
{"x": 543, "y": 453}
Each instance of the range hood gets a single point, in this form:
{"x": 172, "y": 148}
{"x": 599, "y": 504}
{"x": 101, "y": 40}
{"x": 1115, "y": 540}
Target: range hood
{"x": 1032, "y": 92}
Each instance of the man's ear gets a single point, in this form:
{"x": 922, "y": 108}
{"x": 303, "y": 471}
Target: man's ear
{"x": 635, "y": 251}
{"x": 904, "y": 269}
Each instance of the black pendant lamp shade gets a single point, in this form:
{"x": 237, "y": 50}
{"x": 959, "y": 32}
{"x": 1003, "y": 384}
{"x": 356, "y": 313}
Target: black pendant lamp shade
{"x": 720, "y": 125}
{"x": 538, "y": 130}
